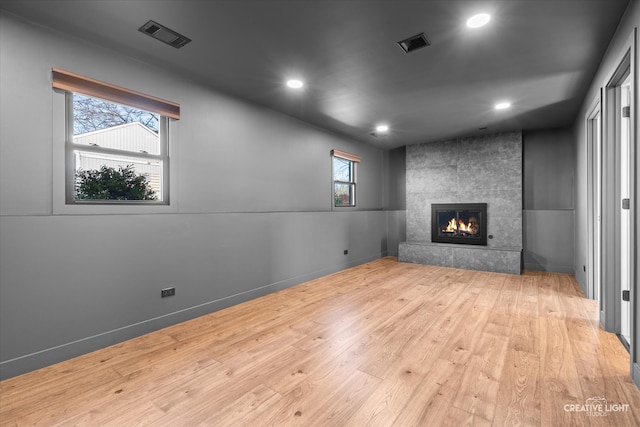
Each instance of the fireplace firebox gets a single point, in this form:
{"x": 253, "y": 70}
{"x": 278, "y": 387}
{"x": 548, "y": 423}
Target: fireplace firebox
{"x": 463, "y": 223}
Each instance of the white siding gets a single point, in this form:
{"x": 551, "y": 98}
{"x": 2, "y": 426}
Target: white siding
{"x": 130, "y": 136}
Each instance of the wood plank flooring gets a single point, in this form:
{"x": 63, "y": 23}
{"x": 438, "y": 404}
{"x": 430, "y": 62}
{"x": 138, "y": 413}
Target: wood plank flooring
{"x": 380, "y": 344}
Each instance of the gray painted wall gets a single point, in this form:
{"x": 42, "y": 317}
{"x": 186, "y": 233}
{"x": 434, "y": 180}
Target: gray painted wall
{"x": 629, "y": 23}
{"x": 395, "y": 195}
{"x": 548, "y": 187}
{"x": 395, "y": 198}
{"x": 607, "y": 67}
{"x": 548, "y": 169}
{"x": 251, "y": 211}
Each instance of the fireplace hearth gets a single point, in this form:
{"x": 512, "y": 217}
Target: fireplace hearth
{"x": 461, "y": 223}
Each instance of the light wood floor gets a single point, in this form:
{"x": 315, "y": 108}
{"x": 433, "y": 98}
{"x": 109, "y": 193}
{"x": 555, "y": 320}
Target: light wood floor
{"x": 384, "y": 343}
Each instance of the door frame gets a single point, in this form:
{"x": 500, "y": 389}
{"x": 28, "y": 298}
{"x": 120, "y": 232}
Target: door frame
{"x": 611, "y": 201}
{"x": 594, "y": 203}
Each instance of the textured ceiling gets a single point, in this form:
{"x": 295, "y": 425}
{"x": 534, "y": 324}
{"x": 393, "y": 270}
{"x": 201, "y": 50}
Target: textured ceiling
{"x": 539, "y": 54}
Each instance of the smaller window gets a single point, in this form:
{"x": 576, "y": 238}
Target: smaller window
{"x": 344, "y": 178}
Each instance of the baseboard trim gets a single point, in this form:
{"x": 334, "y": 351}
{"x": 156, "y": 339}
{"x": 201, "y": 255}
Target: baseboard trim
{"x": 40, "y": 359}
{"x": 567, "y": 269}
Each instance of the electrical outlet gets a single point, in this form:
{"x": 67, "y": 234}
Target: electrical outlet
{"x": 167, "y": 292}
{"x": 346, "y": 251}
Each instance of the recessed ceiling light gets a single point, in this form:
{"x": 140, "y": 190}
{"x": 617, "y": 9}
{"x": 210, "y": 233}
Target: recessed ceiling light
{"x": 502, "y": 105}
{"x": 295, "y": 83}
{"x": 382, "y": 128}
{"x": 479, "y": 20}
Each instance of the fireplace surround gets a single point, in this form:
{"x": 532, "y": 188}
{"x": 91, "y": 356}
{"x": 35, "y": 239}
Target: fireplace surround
{"x": 460, "y": 223}
{"x": 476, "y": 169}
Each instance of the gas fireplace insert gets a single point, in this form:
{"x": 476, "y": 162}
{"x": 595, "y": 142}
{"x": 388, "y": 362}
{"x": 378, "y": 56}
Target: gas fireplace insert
{"x": 463, "y": 223}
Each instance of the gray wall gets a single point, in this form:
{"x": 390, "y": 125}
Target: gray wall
{"x": 607, "y": 67}
{"x": 395, "y": 197}
{"x": 610, "y": 61}
{"x": 251, "y": 211}
{"x": 548, "y": 187}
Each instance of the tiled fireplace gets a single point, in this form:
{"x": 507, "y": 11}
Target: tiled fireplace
{"x": 464, "y": 203}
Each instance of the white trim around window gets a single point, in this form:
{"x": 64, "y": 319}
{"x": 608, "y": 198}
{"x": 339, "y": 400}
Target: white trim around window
{"x": 343, "y": 177}
{"x": 60, "y": 174}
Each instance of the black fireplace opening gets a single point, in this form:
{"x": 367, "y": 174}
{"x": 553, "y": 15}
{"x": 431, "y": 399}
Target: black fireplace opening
{"x": 464, "y": 223}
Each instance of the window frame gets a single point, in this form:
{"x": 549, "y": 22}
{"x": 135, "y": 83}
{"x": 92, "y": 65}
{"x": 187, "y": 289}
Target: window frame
{"x": 63, "y": 157}
{"x": 71, "y": 147}
{"x": 352, "y": 183}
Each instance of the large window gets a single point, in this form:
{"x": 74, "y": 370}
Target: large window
{"x": 344, "y": 178}
{"x": 117, "y": 152}
{"x": 117, "y": 143}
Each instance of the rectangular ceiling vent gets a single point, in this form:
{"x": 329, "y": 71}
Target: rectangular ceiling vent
{"x": 379, "y": 134}
{"x": 414, "y": 43}
{"x": 164, "y": 34}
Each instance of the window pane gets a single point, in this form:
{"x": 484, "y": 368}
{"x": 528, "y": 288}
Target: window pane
{"x": 100, "y": 176}
{"x": 341, "y": 170}
{"x": 343, "y": 194}
{"x": 106, "y": 124}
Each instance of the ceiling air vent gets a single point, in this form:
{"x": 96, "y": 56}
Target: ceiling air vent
{"x": 164, "y": 34}
{"x": 379, "y": 134}
{"x": 414, "y": 43}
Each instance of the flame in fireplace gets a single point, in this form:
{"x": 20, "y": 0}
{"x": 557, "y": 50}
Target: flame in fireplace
{"x": 470, "y": 228}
